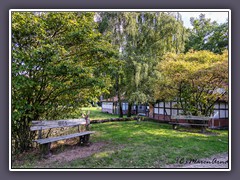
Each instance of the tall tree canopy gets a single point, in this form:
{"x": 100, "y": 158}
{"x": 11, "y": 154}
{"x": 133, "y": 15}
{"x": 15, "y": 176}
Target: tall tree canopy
{"x": 196, "y": 80}
{"x": 141, "y": 37}
{"x": 59, "y": 61}
{"x": 112, "y": 25}
{"x": 153, "y": 34}
{"x": 207, "y": 35}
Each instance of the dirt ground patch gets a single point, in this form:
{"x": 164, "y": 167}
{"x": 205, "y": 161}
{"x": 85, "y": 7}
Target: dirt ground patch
{"x": 70, "y": 154}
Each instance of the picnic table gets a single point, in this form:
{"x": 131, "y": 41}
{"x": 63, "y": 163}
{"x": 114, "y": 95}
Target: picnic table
{"x": 190, "y": 121}
{"x": 140, "y": 116}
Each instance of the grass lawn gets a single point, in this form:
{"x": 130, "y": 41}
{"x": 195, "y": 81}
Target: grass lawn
{"x": 96, "y": 113}
{"x": 145, "y": 145}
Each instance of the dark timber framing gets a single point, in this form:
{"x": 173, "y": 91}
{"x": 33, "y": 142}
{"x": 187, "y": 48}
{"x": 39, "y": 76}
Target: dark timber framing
{"x": 164, "y": 110}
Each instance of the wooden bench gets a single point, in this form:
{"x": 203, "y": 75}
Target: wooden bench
{"x": 140, "y": 116}
{"x": 190, "y": 121}
{"x": 45, "y": 142}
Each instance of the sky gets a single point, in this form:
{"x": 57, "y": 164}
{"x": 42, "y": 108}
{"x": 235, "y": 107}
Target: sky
{"x": 220, "y": 17}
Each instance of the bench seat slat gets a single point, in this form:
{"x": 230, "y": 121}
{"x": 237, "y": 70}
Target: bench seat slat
{"x": 35, "y": 128}
{"x": 41, "y": 125}
{"x": 198, "y": 118}
{"x": 52, "y": 139}
{"x": 188, "y": 124}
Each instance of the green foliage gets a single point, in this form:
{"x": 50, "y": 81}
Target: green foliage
{"x": 195, "y": 80}
{"x": 207, "y": 35}
{"x": 140, "y": 37}
{"x": 111, "y": 25}
{"x": 59, "y": 61}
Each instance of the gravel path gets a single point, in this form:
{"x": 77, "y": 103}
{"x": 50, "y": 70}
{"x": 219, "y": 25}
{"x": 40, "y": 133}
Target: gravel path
{"x": 219, "y": 161}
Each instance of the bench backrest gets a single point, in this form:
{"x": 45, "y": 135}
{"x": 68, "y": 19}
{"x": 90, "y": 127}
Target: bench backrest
{"x": 41, "y": 125}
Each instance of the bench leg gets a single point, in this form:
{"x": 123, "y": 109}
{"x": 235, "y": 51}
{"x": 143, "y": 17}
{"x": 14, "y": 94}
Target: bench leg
{"x": 81, "y": 140}
{"x": 87, "y": 137}
{"x": 174, "y": 126}
{"x": 84, "y": 140}
{"x": 203, "y": 129}
{"x": 45, "y": 149}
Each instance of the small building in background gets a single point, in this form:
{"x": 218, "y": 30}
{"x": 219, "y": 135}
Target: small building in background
{"x": 163, "y": 111}
{"x": 111, "y": 105}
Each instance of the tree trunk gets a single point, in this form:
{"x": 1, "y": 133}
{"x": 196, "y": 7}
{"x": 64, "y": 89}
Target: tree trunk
{"x": 120, "y": 109}
{"x": 151, "y": 110}
{"x": 136, "y": 109}
{"x": 129, "y": 114}
{"x": 22, "y": 136}
{"x": 119, "y": 97}
{"x": 120, "y": 105}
